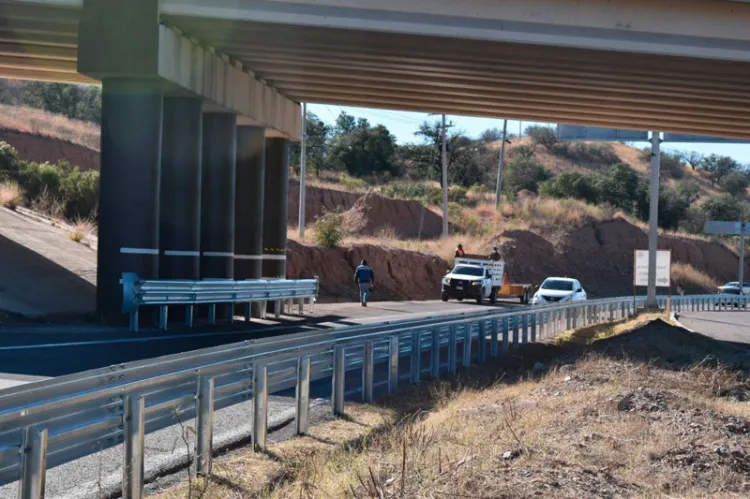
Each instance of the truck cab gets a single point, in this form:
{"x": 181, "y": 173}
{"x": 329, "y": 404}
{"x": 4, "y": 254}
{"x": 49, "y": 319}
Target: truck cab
{"x": 476, "y": 279}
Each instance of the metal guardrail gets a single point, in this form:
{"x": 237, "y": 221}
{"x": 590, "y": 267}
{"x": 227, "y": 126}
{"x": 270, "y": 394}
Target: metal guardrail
{"x": 48, "y": 423}
{"x": 212, "y": 292}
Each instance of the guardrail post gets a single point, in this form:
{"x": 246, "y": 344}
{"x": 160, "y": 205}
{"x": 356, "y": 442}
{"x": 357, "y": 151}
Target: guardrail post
{"x": 188, "y": 316}
{"x": 482, "y": 352}
{"x": 568, "y": 319}
{"x": 506, "y": 334}
{"x": 533, "y": 328}
{"x": 515, "y": 331}
{"x": 415, "y": 356}
{"x": 493, "y": 339}
{"x": 452, "y": 349}
{"x": 466, "y": 361}
{"x": 277, "y": 309}
{"x": 163, "y": 317}
{"x": 339, "y": 378}
{"x": 525, "y": 329}
{"x": 248, "y": 312}
{"x": 260, "y": 407}
{"x": 302, "y": 396}
{"x": 435, "y": 354}
{"x": 134, "y": 419}
{"x": 301, "y": 306}
{"x": 34, "y": 464}
{"x": 204, "y": 424}
{"x": 134, "y": 321}
{"x": 393, "y": 347}
{"x": 368, "y": 372}
{"x": 212, "y": 314}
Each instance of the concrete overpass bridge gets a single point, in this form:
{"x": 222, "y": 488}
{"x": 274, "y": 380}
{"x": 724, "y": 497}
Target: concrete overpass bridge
{"x": 201, "y": 97}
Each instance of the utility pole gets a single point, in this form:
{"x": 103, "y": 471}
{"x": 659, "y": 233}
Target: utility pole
{"x": 743, "y": 233}
{"x": 302, "y": 172}
{"x": 653, "y": 220}
{"x": 500, "y": 163}
{"x": 445, "y": 181}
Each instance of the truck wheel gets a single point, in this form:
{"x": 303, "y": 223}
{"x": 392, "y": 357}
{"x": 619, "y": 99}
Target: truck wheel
{"x": 480, "y": 298}
{"x": 444, "y": 297}
{"x": 525, "y": 297}
{"x": 493, "y": 296}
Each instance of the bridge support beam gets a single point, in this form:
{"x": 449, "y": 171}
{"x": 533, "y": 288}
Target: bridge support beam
{"x": 180, "y": 228}
{"x": 275, "y": 208}
{"x": 217, "y": 195}
{"x": 129, "y": 188}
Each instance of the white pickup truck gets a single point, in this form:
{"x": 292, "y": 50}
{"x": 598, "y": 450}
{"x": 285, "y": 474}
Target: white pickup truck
{"x": 474, "y": 278}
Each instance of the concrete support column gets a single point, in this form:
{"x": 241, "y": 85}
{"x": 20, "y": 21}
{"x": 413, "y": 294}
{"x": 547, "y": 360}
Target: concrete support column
{"x": 248, "y": 212}
{"x": 180, "y": 228}
{"x": 129, "y": 187}
{"x": 275, "y": 208}
{"x": 217, "y": 195}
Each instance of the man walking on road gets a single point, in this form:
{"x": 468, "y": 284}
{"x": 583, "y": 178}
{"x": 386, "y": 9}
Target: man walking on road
{"x": 365, "y": 277}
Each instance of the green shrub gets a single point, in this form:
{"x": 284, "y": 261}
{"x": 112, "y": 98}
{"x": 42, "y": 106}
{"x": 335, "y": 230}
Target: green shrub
{"x": 735, "y": 183}
{"x": 353, "y": 183}
{"x": 590, "y": 155}
{"x": 722, "y": 207}
{"x": 576, "y": 185}
{"x": 329, "y": 229}
{"x": 542, "y": 135}
{"x": 407, "y": 190}
{"x": 524, "y": 175}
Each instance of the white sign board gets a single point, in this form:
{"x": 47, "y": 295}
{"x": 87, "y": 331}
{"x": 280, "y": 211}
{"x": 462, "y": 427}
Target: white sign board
{"x": 663, "y": 268}
{"x": 575, "y": 132}
{"x": 720, "y": 227}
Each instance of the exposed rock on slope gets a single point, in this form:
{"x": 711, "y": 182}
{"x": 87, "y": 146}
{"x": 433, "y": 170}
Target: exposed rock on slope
{"x": 399, "y": 274}
{"x": 407, "y": 218}
{"x": 601, "y": 256}
{"x": 317, "y": 201}
{"x": 41, "y": 149}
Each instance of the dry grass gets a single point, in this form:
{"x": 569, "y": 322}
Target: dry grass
{"x": 82, "y": 230}
{"x": 693, "y": 280}
{"x": 38, "y": 122}
{"x": 11, "y": 195}
{"x": 594, "y": 425}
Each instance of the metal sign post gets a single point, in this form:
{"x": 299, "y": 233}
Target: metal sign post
{"x": 302, "y": 172}
{"x": 653, "y": 220}
{"x": 738, "y": 228}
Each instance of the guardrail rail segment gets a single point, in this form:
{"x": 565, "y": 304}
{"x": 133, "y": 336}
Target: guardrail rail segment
{"x": 48, "y": 423}
{"x": 162, "y": 293}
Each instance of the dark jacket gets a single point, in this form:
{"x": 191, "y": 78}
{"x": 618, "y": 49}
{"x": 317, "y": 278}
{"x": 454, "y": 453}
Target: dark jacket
{"x": 364, "y": 274}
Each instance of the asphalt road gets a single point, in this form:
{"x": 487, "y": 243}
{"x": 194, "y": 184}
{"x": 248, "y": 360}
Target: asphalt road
{"x": 731, "y": 326}
{"x": 29, "y": 352}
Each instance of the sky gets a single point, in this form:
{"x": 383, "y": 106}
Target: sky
{"x": 404, "y": 124}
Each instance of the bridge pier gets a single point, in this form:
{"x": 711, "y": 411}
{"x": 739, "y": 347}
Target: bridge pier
{"x": 131, "y": 135}
{"x": 217, "y": 195}
{"x": 275, "y": 208}
{"x": 180, "y": 228}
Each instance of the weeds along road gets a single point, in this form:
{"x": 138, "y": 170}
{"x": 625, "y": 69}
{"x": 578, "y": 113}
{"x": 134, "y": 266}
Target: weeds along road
{"x": 32, "y": 352}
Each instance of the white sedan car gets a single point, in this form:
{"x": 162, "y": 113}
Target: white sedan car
{"x": 559, "y": 289}
{"x": 734, "y": 287}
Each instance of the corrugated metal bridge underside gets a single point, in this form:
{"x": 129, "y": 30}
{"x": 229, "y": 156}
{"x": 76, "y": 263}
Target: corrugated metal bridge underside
{"x": 428, "y": 73}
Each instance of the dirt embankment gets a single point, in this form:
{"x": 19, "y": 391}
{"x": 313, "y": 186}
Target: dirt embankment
{"x": 399, "y": 274}
{"x": 40, "y": 149}
{"x": 601, "y": 256}
{"x": 317, "y": 202}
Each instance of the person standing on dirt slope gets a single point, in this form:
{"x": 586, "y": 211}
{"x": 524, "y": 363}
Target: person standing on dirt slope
{"x": 365, "y": 277}
{"x": 495, "y": 255}
{"x": 460, "y": 251}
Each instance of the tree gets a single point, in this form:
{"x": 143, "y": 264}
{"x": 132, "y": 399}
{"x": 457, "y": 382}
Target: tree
{"x": 736, "y": 183}
{"x": 689, "y": 190}
{"x": 723, "y": 207}
{"x": 317, "y": 142}
{"x": 619, "y": 187}
{"x": 524, "y": 175}
{"x": 718, "y": 167}
{"x": 364, "y": 151}
{"x": 542, "y": 135}
{"x": 82, "y": 102}
{"x": 345, "y": 123}
{"x": 692, "y": 158}
{"x": 491, "y": 135}
{"x": 573, "y": 184}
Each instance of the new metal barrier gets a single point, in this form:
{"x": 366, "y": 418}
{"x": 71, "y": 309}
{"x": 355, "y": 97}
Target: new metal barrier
{"x": 163, "y": 293}
{"x": 48, "y": 423}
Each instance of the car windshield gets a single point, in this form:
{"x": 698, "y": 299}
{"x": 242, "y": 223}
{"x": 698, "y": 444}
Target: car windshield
{"x": 472, "y": 271}
{"x": 557, "y": 285}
